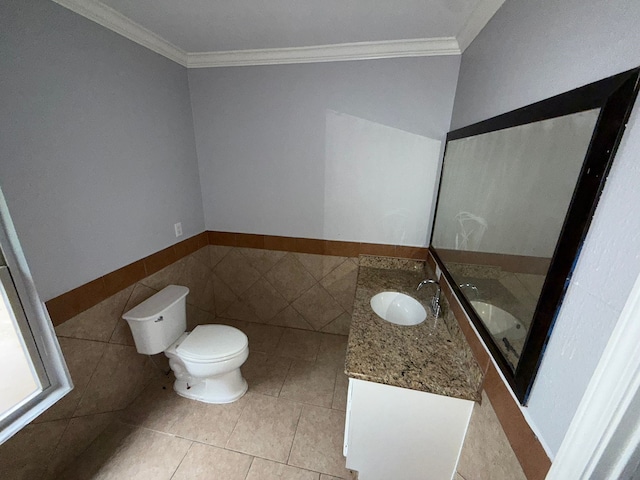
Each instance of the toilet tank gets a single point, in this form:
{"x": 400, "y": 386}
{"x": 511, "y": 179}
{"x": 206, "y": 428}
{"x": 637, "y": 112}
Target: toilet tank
{"x": 158, "y": 321}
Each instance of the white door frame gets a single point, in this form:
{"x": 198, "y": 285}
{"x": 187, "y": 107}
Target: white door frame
{"x": 603, "y": 440}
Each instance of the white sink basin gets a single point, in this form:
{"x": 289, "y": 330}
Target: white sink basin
{"x": 398, "y": 308}
{"x": 498, "y": 321}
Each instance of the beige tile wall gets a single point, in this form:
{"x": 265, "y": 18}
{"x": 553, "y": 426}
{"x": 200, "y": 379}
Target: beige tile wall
{"x": 299, "y": 290}
{"x": 305, "y": 291}
{"x": 486, "y": 452}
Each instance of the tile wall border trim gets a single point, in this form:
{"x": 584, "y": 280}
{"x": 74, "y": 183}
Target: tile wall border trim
{"x": 73, "y": 302}
{"x": 508, "y": 263}
{"x": 529, "y": 451}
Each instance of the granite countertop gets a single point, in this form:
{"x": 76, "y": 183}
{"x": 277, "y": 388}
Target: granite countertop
{"x": 421, "y": 357}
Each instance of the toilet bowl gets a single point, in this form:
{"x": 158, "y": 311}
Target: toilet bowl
{"x": 210, "y": 371}
{"x": 206, "y": 362}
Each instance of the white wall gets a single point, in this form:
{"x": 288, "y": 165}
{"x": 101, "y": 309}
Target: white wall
{"x": 98, "y": 153}
{"x": 379, "y": 182}
{"x": 264, "y": 144}
{"x": 530, "y": 51}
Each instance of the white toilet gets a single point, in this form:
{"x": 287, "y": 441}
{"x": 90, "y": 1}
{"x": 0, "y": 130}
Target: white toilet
{"x": 206, "y": 362}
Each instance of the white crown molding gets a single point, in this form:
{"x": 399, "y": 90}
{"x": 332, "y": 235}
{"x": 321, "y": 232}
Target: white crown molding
{"x": 481, "y": 15}
{"x": 421, "y": 47}
{"x": 116, "y": 22}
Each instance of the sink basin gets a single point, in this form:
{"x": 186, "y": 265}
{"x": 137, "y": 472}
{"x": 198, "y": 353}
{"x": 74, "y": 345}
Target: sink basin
{"x": 499, "y": 322}
{"x": 398, "y": 308}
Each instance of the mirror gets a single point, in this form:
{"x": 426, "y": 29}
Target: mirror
{"x": 503, "y": 201}
{"x": 516, "y": 196}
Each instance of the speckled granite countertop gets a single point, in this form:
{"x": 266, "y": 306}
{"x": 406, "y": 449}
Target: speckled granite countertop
{"x": 418, "y": 357}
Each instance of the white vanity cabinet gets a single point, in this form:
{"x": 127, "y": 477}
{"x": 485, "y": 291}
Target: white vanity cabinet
{"x": 397, "y": 433}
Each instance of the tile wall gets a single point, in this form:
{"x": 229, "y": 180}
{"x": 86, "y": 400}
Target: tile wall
{"x": 299, "y": 290}
{"x": 486, "y": 452}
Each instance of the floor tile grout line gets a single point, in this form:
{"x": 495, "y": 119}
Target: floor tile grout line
{"x": 54, "y": 450}
{"x": 335, "y": 386}
{"x": 253, "y": 458}
{"x": 161, "y": 432}
{"x": 181, "y": 460}
{"x": 173, "y": 424}
{"x": 286, "y": 465}
{"x": 286, "y": 375}
{"x": 295, "y": 432}
{"x": 235, "y": 425}
{"x": 344, "y": 310}
{"x": 83, "y": 451}
{"x": 302, "y": 404}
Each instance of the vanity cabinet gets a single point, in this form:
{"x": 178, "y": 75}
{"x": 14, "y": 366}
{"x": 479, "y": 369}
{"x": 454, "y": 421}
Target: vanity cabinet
{"x": 398, "y": 433}
{"x": 411, "y": 388}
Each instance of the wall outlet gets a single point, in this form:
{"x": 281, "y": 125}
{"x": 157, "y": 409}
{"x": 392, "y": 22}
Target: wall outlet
{"x": 178, "y": 228}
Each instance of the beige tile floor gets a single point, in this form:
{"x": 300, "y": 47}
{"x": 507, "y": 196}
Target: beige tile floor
{"x": 289, "y": 425}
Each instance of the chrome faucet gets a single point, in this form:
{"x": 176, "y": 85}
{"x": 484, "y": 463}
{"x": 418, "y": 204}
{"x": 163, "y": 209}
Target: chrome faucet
{"x": 435, "y": 301}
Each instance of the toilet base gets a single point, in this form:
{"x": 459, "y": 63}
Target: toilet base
{"x": 225, "y": 388}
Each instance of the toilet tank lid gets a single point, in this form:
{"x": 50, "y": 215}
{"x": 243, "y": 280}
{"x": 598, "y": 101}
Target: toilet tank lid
{"x": 150, "y": 308}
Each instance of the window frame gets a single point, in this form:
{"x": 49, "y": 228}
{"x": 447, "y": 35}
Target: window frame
{"x": 36, "y": 322}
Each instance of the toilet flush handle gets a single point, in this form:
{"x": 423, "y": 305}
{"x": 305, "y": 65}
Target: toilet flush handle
{"x": 159, "y": 319}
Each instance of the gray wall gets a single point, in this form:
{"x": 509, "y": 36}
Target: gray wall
{"x": 98, "y": 152}
{"x": 530, "y": 51}
{"x": 261, "y": 133}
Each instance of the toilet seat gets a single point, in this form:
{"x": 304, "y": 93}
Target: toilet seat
{"x": 212, "y": 343}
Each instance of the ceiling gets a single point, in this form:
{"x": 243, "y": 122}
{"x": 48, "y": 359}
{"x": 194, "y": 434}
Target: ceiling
{"x": 201, "y": 33}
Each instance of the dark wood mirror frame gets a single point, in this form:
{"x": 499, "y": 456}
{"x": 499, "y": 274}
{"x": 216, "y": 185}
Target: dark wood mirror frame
{"x": 614, "y": 96}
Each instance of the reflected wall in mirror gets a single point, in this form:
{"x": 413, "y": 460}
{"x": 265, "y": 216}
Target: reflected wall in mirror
{"x": 517, "y": 193}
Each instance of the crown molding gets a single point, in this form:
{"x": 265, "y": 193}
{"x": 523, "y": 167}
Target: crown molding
{"x": 484, "y": 11}
{"x": 118, "y": 23}
{"x": 422, "y": 47}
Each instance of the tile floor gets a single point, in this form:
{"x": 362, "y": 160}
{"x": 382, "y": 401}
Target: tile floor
{"x": 289, "y": 425}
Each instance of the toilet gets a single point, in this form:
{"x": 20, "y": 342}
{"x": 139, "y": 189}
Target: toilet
{"x": 206, "y": 362}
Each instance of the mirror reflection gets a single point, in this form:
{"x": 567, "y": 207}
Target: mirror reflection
{"x": 503, "y": 199}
